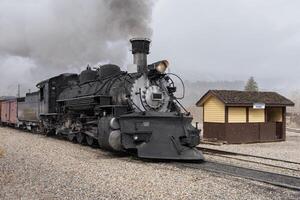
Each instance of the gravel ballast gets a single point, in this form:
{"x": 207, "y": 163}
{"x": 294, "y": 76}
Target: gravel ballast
{"x": 284, "y": 150}
{"x": 38, "y": 167}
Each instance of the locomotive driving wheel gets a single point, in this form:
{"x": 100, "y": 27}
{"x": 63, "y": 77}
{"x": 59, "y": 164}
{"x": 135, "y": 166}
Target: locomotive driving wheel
{"x": 80, "y": 138}
{"x": 90, "y": 140}
{"x": 71, "y": 137}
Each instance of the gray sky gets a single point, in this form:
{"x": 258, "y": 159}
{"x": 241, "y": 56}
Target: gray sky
{"x": 202, "y": 39}
{"x": 232, "y": 39}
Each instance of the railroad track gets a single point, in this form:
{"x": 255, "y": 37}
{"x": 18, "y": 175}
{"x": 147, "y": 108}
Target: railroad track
{"x": 229, "y": 155}
{"x": 294, "y": 130}
{"x": 280, "y": 180}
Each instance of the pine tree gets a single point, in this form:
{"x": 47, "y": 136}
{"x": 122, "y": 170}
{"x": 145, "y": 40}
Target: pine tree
{"x": 251, "y": 85}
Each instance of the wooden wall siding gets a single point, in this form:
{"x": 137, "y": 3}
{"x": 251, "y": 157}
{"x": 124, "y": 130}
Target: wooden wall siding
{"x": 214, "y": 110}
{"x": 235, "y": 133}
{"x": 242, "y": 133}
{"x": 268, "y": 132}
{"x": 274, "y": 114}
{"x": 214, "y": 131}
{"x": 256, "y": 115}
{"x": 237, "y": 115}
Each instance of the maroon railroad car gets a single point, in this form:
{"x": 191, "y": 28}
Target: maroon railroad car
{"x": 9, "y": 112}
{"x": 0, "y": 111}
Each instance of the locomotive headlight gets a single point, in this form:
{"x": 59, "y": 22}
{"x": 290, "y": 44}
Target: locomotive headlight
{"x": 162, "y": 66}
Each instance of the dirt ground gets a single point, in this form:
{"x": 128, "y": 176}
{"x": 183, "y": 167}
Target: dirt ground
{"x": 1, "y": 152}
{"x": 38, "y": 167}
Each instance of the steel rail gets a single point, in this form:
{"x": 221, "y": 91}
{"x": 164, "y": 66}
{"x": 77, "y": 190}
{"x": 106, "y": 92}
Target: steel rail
{"x": 204, "y": 149}
{"x": 255, "y": 162}
{"x": 285, "y": 181}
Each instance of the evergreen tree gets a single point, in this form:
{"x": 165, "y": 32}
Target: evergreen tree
{"x": 251, "y": 85}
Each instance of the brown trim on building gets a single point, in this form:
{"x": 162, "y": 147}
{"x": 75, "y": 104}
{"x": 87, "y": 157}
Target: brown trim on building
{"x": 247, "y": 114}
{"x": 203, "y": 114}
{"x": 226, "y": 114}
{"x": 266, "y": 115}
{"x": 284, "y": 123}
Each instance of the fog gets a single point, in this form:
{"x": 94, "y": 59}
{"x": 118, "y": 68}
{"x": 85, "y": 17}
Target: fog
{"x": 207, "y": 40}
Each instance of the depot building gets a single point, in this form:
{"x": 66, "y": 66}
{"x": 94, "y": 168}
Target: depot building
{"x": 244, "y": 117}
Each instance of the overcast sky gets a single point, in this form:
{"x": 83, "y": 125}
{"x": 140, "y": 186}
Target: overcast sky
{"x": 202, "y": 39}
{"x": 229, "y": 40}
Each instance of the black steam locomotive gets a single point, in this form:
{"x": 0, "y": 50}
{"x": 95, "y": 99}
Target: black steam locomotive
{"x": 134, "y": 111}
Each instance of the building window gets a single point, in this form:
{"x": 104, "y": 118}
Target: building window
{"x": 274, "y": 114}
{"x": 237, "y": 115}
{"x": 256, "y": 115}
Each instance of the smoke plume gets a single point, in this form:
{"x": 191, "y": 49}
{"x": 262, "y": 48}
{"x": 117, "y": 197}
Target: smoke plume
{"x": 42, "y": 38}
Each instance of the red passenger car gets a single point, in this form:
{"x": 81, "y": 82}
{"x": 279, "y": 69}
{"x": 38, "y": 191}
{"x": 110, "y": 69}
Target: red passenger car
{"x": 0, "y": 110}
{"x": 9, "y": 112}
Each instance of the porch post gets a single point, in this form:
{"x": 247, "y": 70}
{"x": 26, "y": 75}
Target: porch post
{"x": 226, "y": 114}
{"x": 284, "y": 123}
{"x": 247, "y": 114}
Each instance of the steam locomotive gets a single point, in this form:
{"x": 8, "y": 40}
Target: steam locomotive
{"x": 134, "y": 111}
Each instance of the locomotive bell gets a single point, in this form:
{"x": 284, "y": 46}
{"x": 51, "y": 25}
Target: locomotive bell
{"x": 140, "y": 50}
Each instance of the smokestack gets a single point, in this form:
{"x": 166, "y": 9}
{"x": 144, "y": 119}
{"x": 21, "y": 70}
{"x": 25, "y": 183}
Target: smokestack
{"x": 140, "y": 50}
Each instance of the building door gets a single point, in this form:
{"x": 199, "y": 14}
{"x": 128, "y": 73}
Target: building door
{"x": 275, "y": 115}
{"x": 279, "y": 130}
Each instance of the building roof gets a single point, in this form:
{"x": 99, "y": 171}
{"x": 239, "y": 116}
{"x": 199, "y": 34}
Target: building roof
{"x": 246, "y": 98}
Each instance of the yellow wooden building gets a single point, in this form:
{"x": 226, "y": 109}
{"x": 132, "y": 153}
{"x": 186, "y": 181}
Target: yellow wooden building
{"x": 243, "y": 117}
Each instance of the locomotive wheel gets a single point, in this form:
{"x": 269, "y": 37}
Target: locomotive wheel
{"x": 80, "y": 138}
{"x": 49, "y": 132}
{"x": 34, "y": 130}
{"x": 90, "y": 140}
{"x": 71, "y": 137}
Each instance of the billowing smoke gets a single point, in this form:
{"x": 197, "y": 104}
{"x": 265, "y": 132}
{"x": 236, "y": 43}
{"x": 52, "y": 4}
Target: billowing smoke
{"x": 42, "y": 38}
